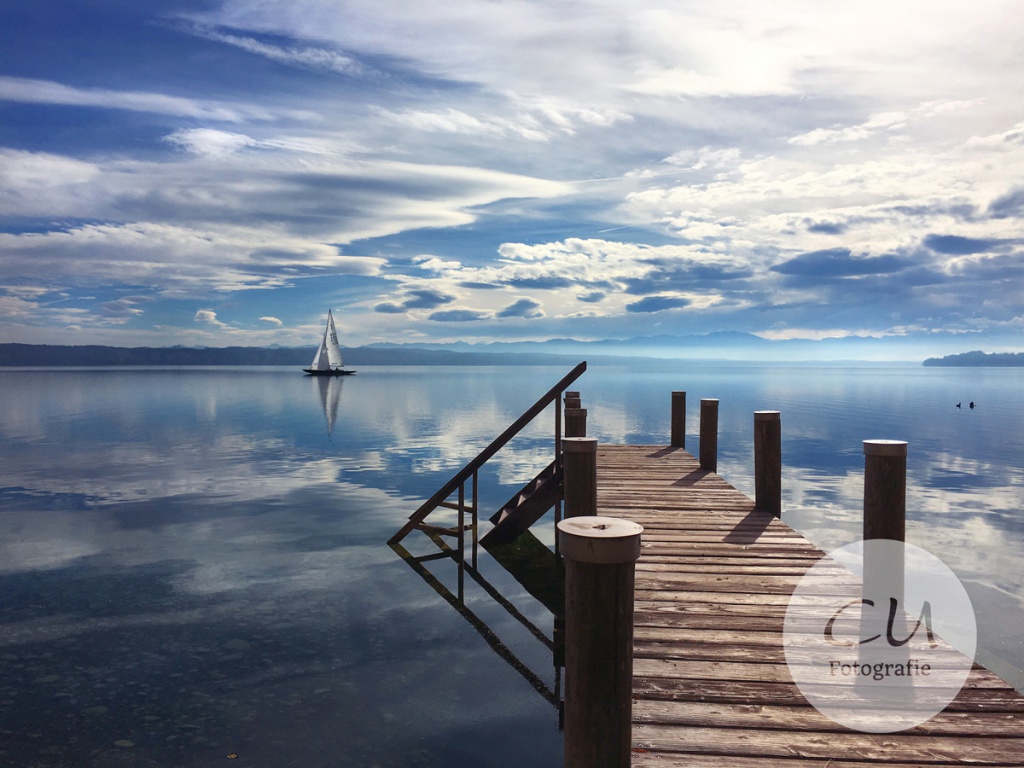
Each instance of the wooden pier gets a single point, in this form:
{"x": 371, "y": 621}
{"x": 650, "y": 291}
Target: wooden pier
{"x": 716, "y": 573}
{"x": 710, "y": 681}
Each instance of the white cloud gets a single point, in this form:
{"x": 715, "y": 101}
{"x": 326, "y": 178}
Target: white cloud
{"x": 705, "y": 157}
{"x": 178, "y": 260}
{"x": 228, "y": 220}
{"x": 884, "y": 121}
{"x": 1011, "y": 140}
{"x": 564, "y": 277}
{"x": 880, "y": 201}
{"x": 302, "y": 56}
{"x": 272, "y": 321}
{"x": 602, "y": 53}
{"x": 210, "y": 317}
{"x": 26, "y": 171}
{"x": 210, "y": 142}
{"x": 14, "y": 307}
{"x": 120, "y": 311}
{"x": 446, "y": 120}
{"x": 457, "y": 122}
{"x": 327, "y": 197}
{"x": 48, "y": 92}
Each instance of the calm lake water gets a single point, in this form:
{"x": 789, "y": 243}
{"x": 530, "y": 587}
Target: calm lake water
{"x": 193, "y": 566}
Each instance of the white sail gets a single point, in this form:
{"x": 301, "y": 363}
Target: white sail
{"x": 328, "y": 355}
{"x": 331, "y": 340}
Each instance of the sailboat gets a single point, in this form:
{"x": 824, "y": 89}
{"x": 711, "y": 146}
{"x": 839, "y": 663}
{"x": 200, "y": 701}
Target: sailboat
{"x": 327, "y": 361}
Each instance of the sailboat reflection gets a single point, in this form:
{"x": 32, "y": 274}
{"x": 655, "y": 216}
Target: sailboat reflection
{"x": 329, "y": 388}
{"x": 535, "y": 567}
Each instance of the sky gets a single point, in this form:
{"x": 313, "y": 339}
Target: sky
{"x": 221, "y": 172}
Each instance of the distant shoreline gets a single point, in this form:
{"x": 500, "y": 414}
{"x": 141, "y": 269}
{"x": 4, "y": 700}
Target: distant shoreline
{"x": 978, "y": 359}
{"x": 98, "y": 356}
{"x": 15, "y": 355}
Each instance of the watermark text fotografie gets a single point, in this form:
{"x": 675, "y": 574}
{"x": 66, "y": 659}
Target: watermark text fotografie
{"x": 879, "y": 670}
{"x": 879, "y": 635}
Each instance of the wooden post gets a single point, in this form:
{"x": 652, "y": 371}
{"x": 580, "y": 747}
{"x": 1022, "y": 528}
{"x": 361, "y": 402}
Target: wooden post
{"x": 885, "y": 517}
{"x": 572, "y": 400}
{"x": 678, "y": 420}
{"x": 768, "y": 461}
{"x": 575, "y": 422}
{"x": 579, "y": 468}
{"x": 709, "y": 435}
{"x": 885, "y": 489}
{"x": 600, "y": 555}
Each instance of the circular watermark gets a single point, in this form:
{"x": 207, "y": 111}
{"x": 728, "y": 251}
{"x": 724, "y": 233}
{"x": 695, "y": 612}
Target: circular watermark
{"x": 880, "y": 635}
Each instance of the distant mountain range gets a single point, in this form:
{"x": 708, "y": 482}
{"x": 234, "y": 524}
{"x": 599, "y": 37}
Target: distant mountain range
{"x": 979, "y": 360}
{"x": 727, "y": 346}
{"x": 42, "y": 355}
{"x": 731, "y": 345}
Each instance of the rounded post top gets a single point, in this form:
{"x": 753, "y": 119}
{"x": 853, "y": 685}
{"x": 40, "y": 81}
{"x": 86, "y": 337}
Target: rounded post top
{"x": 579, "y": 444}
{"x": 678, "y": 393}
{"x": 600, "y": 540}
{"x": 709, "y": 400}
{"x": 767, "y": 415}
{"x": 885, "y": 447}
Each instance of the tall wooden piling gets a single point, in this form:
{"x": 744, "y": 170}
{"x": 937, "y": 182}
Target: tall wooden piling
{"x": 709, "y": 435}
{"x": 885, "y": 489}
{"x": 600, "y": 555}
{"x": 768, "y": 461}
{"x": 885, "y": 516}
{"x": 575, "y": 422}
{"x": 579, "y": 469}
{"x": 678, "y": 431}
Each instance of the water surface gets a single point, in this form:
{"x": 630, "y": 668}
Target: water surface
{"x": 193, "y": 562}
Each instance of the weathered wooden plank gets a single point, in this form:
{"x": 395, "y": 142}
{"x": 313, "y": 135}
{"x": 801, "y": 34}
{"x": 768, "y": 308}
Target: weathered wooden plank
{"x": 756, "y": 650}
{"x": 676, "y": 552}
{"x": 681, "y": 553}
{"x": 645, "y": 758}
{"x": 982, "y": 750}
{"x": 701, "y": 714}
{"x": 699, "y": 563}
{"x": 708, "y": 635}
{"x": 736, "y": 539}
{"x": 706, "y": 566}
{"x": 739, "y": 582}
{"x": 763, "y": 692}
{"x": 753, "y": 622}
{"x": 664, "y": 595}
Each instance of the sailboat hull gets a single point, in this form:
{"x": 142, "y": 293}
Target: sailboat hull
{"x": 329, "y": 372}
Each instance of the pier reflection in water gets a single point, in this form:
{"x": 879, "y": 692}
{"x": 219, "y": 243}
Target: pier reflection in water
{"x": 532, "y": 564}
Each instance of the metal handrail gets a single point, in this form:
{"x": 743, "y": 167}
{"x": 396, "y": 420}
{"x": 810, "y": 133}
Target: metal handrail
{"x": 485, "y": 455}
